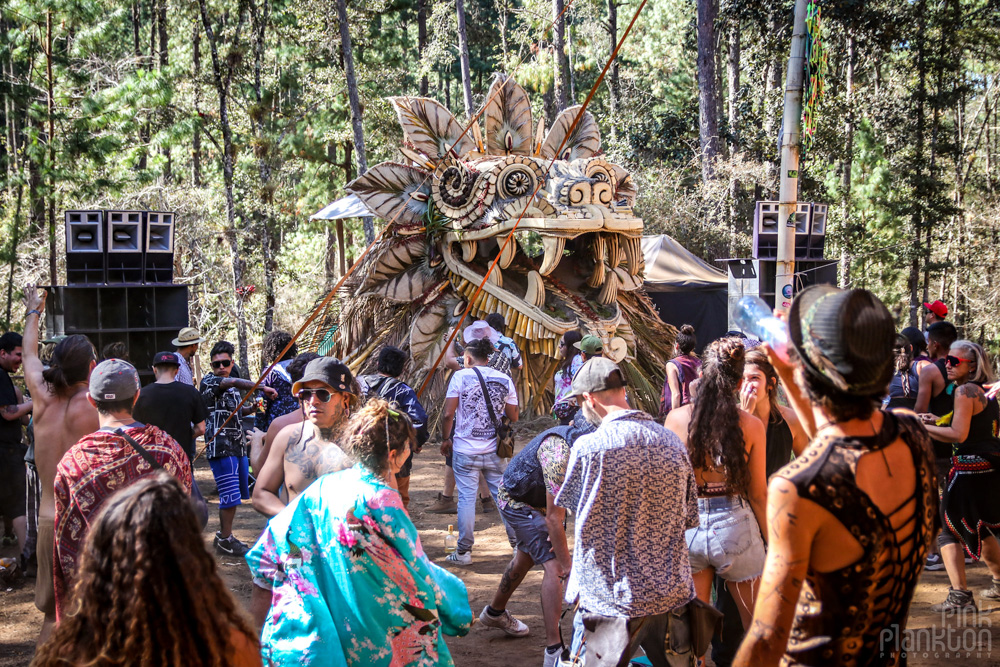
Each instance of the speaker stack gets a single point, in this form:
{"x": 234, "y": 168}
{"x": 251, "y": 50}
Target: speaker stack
{"x": 810, "y": 230}
{"x": 119, "y": 284}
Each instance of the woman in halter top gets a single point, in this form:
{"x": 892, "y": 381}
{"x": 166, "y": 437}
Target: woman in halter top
{"x": 851, "y": 519}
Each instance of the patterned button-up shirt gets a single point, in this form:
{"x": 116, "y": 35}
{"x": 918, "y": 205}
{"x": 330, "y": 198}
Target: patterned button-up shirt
{"x": 632, "y": 488}
{"x": 184, "y": 373}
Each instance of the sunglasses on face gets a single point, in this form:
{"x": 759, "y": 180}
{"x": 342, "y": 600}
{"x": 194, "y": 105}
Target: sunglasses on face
{"x": 224, "y": 363}
{"x": 323, "y": 395}
{"x": 955, "y": 361}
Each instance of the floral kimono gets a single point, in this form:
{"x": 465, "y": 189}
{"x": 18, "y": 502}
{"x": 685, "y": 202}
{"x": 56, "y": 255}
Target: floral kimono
{"x": 350, "y": 582}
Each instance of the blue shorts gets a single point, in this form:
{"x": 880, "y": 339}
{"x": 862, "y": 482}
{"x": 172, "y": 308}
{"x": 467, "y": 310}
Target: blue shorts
{"x": 531, "y": 532}
{"x": 230, "y": 474}
{"x": 728, "y": 539}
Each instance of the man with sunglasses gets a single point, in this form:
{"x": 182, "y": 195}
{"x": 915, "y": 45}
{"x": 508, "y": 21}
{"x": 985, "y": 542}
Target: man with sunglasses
{"x": 302, "y": 453}
{"x": 225, "y": 447}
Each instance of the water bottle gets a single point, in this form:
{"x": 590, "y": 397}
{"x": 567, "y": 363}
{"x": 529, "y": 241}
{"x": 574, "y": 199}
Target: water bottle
{"x": 752, "y": 315}
{"x": 450, "y": 540}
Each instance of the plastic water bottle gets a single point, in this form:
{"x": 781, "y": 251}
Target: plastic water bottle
{"x": 752, "y": 315}
{"x": 450, "y": 540}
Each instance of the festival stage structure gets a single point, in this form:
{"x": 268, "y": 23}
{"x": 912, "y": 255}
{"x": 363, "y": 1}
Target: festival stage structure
{"x": 575, "y": 260}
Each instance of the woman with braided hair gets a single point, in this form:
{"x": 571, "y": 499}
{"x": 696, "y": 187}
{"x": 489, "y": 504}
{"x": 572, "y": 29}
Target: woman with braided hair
{"x": 147, "y": 591}
{"x": 728, "y": 452}
{"x": 351, "y": 583}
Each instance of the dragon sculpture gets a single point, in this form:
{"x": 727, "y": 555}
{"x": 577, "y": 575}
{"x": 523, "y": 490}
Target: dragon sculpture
{"x": 575, "y": 260}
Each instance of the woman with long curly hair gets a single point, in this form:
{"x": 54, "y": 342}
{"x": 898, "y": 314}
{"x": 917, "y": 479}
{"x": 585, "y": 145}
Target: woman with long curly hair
{"x": 351, "y": 583}
{"x": 728, "y": 452}
{"x": 147, "y": 590}
{"x": 905, "y": 383}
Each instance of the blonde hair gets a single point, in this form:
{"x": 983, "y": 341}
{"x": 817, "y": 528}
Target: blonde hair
{"x": 982, "y": 372}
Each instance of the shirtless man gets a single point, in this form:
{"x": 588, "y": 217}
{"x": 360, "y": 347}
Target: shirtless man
{"x": 62, "y": 416}
{"x": 303, "y": 452}
{"x": 261, "y": 441}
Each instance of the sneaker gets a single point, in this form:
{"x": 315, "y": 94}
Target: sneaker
{"x": 970, "y": 561}
{"x": 10, "y": 540}
{"x": 443, "y": 505}
{"x": 459, "y": 558}
{"x": 486, "y": 506}
{"x": 29, "y": 566}
{"x": 505, "y": 622}
{"x": 956, "y": 601}
{"x": 230, "y": 546}
{"x": 552, "y": 659}
{"x": 934, "y": 563}
{"x": 992, "y": 593}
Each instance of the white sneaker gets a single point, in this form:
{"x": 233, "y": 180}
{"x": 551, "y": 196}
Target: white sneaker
{"x": 459, "y": 558}
{"x": 551, "y": 659}
{"x": 505, "y": 622}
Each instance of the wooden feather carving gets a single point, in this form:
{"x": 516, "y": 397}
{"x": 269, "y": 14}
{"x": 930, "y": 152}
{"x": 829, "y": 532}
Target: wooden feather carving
{"x": 428, "y": 330}
{"x": 408, "y": 286}
{"x": 508, "y": 118}
{"x": 392, "y": 260}
{"x": 583, "y": 142}
{"x": 394, "y": 192}
{"x": 430, "y": 127}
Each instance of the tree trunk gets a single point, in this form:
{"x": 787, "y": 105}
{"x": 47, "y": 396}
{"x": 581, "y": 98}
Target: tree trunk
{"x": 847, "y": 165}
{"x": 13, "y": 252}
{"x": 559, "y": 54}
{"x": 422, "y": 41}
{"x": 164, "y": 60}
{"x": 50, "y": 99}
{"x": 261, "y": 120}
{"x": 222, "y": 76}
{"x": 916, "y": 218}
{"x": 613, "y": 88}
{"x": 352, "y": 94}
{"x": 196, "y": 139}
{"x": 708, "y": 94}
{"x": 463, "y": 52}
{"x": 733, "y": 113}
{"x": 572, "y": 69}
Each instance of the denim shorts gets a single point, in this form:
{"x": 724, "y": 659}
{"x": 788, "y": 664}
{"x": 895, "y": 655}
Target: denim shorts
{"x": 727, "y": 540}
{"x": 531, "y": 532}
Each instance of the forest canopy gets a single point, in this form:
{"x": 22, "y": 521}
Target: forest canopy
{"x": 238, "y": 115}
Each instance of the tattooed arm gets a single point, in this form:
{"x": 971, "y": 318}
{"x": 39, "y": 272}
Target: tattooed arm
{"x": 791, "y": 531}
{"x": 970, "y": 400}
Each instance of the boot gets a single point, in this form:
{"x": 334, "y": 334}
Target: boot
{"x": 956, "y": 601}
{"x": 443, "y": 505}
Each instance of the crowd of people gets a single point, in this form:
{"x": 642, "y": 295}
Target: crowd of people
{"x": 779, "y": 509}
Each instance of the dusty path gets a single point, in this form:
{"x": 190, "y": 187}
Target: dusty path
{"x": 936, "y": 642}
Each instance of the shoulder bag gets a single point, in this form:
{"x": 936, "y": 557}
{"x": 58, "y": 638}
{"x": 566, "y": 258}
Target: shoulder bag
{"x": 198, "y": 502}
{"x": 504, "y": 431}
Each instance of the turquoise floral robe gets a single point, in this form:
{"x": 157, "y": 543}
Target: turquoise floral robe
{"x": 351, "y": 584}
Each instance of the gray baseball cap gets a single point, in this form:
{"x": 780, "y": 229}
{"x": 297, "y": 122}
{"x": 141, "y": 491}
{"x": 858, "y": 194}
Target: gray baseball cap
{"x": 596, "y": 375}
{"x": 114, "y": 380}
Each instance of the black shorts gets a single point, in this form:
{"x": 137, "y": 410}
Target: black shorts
{"x": 13, "y": 498}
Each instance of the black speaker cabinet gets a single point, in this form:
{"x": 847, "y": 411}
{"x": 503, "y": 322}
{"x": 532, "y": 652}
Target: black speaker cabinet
{"x": 143, "y": 317}
{"x": 158, "y": 259}
{"x": 807, "y": 273}
{"x": 85, "y": 262}
{"x": 810, "y": 230}
{"x": 124, "y": 246}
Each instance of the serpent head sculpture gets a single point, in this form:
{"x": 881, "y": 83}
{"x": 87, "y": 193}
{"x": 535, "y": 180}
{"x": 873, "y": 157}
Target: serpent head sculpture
{"x": 575, "y": 260}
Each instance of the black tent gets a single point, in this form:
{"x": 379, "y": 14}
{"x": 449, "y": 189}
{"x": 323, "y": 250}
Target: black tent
{"x": 685, "y": 288}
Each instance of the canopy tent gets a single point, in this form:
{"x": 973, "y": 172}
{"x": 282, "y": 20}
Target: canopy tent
{"x": 685, "y": 288}
{"x": 348, "y": 207}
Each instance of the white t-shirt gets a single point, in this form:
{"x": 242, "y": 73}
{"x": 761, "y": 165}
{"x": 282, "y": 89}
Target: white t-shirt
{"x": 474, "y": 431}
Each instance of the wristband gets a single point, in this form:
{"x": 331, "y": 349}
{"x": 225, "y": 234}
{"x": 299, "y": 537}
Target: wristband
{"x": 35, "y": 311}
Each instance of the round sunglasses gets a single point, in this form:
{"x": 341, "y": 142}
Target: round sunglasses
{"x": 322, "y": 395}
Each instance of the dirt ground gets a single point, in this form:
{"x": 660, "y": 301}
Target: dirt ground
{"x": 969, "y": 641}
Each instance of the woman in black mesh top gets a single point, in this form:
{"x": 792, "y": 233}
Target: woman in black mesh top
{"x": 851, "y": 519}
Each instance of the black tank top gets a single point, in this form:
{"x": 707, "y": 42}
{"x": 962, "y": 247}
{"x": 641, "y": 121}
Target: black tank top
{"x": 856, "y": 615}
{"x": 982, "y": 427}
{"x": 944, "y": 402}
{"x": 779, "y": 446}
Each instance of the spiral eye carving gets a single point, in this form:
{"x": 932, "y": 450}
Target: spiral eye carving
{"x": 457, "y": 189}
{"x": 515, "y": 181}
{"x": 601, "y": 171}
